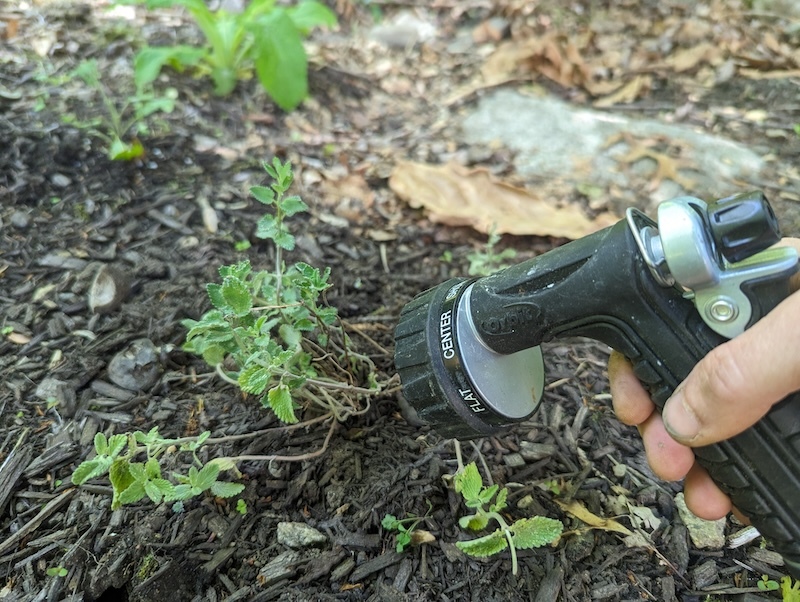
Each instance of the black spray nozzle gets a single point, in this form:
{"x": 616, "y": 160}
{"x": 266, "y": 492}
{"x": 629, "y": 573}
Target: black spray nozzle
{"x": 743, "y": 225}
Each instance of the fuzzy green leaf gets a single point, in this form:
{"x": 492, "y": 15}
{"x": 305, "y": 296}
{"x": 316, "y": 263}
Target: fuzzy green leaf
{"x": 484, "y": 546}
{"x": 132, "y": 494}
{"x": 280, "y": 400}
{"x": 535, "y": 532}
{"x": 267, "y": 227}
{"x": 474, "y": 522}
{"x": 390, "y": 522}
{"x": 217, "y": 299}
{"x": 100, "y": 444}
{"x": 254, "y": 379}
{"x": 280, "y": 60}
{"x": 487, "y": 494}
{"x": 205, "y": 477}
{"x": 121, "y": 479}
{"x": 225, "y": 489}
{"x": 290, "y": 335}
{"x": 468, "y": 482}
{"x": 180, "y": 493}
{"x": 292, "y": 205}
{"x": 237, "y": 296}
{"x": 500, "y": 502}
{"x": 263, "y": 194}
{"x": 284, "y": 240}
{"x": 89, "y": 470}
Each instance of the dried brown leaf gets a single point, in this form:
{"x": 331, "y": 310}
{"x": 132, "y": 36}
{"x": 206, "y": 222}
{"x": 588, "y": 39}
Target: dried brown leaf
{"x": 457, "y": 196}
{"x": 579, "y": 511}
{"x": 638, "y": 86}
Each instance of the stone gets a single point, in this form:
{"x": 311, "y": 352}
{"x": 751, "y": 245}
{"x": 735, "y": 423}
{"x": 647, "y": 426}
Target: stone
{"x": 20, "y": 220}
{"x": 705, "y": 534}
{"x": 554, "y": 140}
{"x": 136, "y": 367}
{"x": 299, "y": 535}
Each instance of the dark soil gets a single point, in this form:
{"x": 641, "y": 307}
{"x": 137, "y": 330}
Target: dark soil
{"x": 66, "y": 211}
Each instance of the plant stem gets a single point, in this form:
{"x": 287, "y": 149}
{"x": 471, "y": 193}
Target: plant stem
{"x": 276, "y": 458}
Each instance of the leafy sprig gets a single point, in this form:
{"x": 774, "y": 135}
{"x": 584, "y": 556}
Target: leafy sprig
{"x": 488, "y": 503}
{"x": 270, "y": 332}
{"x": 133, "y": 480}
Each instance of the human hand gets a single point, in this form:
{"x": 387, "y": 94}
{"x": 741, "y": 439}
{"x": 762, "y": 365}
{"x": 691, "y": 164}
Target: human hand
{"x": 727, "y": 391}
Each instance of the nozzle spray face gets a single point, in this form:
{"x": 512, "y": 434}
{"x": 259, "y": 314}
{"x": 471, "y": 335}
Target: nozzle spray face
{"x": 451, "y": 378}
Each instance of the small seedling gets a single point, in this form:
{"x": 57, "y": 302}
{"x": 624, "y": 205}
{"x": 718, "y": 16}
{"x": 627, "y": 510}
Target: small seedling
{"x": 767, "y": 585}
{"x": 487, "y": 260}
{"x": 488, "y": 503}
{"x": 406, "y": 528}
{"x": 120, "y": 128}
{"x": 265, "y": 37}
{"x": 241, "y": 506}
{"x": 57, "y": 571}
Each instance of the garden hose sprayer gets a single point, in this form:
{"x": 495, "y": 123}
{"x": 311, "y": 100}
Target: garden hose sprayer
{"x": 664, "y": 293}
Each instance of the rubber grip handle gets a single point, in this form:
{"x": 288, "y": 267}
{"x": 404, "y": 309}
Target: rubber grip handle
{"x": 600, "y": 287}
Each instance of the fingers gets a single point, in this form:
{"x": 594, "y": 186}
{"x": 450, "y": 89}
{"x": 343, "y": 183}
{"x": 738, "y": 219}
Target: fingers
{"x": 669, "y": 459}
{"x": 738, "y": 382}
{"x": 632, "y": 403}
{"x": 703, "y": 497}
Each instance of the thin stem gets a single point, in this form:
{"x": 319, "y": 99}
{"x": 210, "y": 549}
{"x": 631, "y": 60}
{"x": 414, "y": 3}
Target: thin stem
{"x": 299, "y": 458}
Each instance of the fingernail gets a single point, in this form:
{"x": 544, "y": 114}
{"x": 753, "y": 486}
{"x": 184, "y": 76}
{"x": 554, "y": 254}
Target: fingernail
{"x": 679, "y": 419}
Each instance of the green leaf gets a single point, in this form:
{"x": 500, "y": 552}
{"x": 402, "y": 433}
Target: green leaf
{"x": 535, "y": 532}
{"x": 132, "y": 494}
{"x": 280, "y": 60}
{"x": 152, "y": 469}
{"x": 292, "y": 205}
{"x": 484, "y": 546}
{"x": 390, "y": 522}
{"x": 267, "y": 227}
{"x": 263, "y": 194}
{"x": 180, "y": 492}
{"x": 116, "y": 443}
{"x": 500, "y": 503}
{"x": 237, "y": 296}
{"x": 100, "y": 444}
{"x": 89, "y": 470}
{"x": 214, "y": 355}
{"x": 290, "y": 335}
{"x": 225, "y": 489}
{"x": 205, "y": 477}
{"x": 468, "y": 482}
{"x": 153, "y": 492}
{"x": 474, "y": 522}
{"x": 284, "y": 240}
{"x": 121, "y": 479}
{"x": 151, "y": 59}
{"x": 280, "y": 400}
{"x": 310, "y": 14}
{"x": 254, "y": 379}
{"x": 137, "y": 471}
{"x": 487, "y": 494}
{"x": 124, "y": 151}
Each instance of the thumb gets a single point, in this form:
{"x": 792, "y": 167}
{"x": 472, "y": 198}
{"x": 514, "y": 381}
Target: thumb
{"x": 738, "y": 382}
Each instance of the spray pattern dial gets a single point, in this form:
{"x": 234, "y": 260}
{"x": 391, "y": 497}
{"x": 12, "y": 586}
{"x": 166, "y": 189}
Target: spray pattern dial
{"x": 713, "y": 252}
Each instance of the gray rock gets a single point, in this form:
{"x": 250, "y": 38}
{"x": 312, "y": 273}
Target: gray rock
{"x": 20, "y": 220}
{"x": 299, "y": 535}
{"x": 708, "y": 534}
{"x": 59, "y": 180}
{"x": 109, "y": 289}
{"x": 136, "y": 367}
{"x": 555, "y": 140}
{"x": 403, "y": 31}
